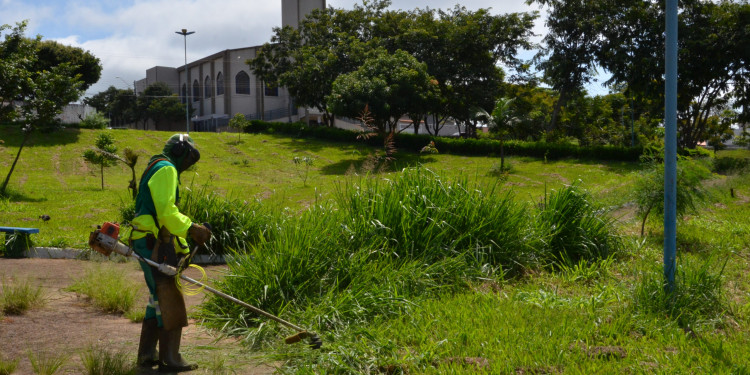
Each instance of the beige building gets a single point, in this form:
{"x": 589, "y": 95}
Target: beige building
{"x": 221, "y": 85}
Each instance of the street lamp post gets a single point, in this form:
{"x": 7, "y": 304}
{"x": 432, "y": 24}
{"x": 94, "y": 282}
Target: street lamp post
{"x": 185, "y": 33}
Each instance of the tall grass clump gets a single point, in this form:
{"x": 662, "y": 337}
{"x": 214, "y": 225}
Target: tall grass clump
{"x": 573, "y": 228}
{"x": 7, "y": 367}
{"x": 98, "y": 360}
{"x": 236, "y": 224}
{"x": 107, "y": 287}
{"x": 18, "y": 296}
{"x": 698, "y": 296}
{"x": 47, "y": 363}
{"x": 418, "y": 214}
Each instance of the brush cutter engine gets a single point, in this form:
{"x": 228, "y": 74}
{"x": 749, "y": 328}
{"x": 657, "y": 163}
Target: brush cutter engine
{"x": 105, "y": 240}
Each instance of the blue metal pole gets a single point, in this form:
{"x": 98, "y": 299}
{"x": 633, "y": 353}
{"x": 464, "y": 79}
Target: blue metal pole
{"x": 670, "y": 145}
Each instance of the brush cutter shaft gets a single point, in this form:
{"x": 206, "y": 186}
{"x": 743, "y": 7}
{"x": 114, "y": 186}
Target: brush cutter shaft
{"x": 242, "y": 303}
{"x": 106, "y": 244}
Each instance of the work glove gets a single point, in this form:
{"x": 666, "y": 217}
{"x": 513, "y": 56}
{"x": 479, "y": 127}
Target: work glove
{"x": 199, "y": 233}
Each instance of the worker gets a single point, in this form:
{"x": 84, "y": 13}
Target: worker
{"x": 159, "y": 232}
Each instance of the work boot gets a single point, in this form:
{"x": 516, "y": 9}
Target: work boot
{"x": 147, "y": 355}
{"x": 170, "y": 359}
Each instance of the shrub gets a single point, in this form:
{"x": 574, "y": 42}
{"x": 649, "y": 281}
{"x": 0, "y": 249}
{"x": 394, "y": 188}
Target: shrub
{"x": 94, "y": 120}
{"x": 731, "y": 165}
{"x": 16, "y": 244}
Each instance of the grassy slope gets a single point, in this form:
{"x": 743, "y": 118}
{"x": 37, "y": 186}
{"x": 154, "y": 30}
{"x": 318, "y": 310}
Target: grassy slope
{"x": 545, "y": 323}
{"x": 52, "y": 179}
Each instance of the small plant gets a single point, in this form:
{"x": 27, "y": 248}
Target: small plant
{"x": 46, "y": 363}
{"x": 7, "y": 367}
{"x": 238, "y": 122}
{"x": 19, "y": 296}
{"x": 102, "y": 154}
{"x": 100, "y": 361}
{"x": 501, "y": 169}
{"x": 302, "y": 166}
{"x": 107, "y": 287}
{"x": 369, "y": 130}
{"x": 649, "y": 190}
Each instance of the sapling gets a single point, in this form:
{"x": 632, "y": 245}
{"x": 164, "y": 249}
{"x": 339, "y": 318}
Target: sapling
{"x": 102, "y": 154}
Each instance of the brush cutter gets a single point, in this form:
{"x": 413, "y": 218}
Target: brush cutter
{"x": 105, "y": 240}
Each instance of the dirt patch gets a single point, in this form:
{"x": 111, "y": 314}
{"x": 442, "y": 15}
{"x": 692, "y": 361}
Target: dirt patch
{"x": 68, "y": 324}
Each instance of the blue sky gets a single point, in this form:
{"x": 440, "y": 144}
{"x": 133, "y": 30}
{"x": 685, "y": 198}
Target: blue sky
{"x": 130, "y": 36}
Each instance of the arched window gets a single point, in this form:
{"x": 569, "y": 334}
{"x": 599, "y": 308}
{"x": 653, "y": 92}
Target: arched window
{"x": 207, "y": 87}
{"x": 219, "y": 84}
{"x": 242, "y": 83}
{"x": 183, "y": 99}
{"x": 196, "y": 91}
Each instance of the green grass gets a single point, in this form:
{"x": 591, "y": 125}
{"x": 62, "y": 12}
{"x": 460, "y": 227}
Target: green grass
{"x": 107, "y": 287}
{"x": 18, "y": 296}
{"x": 47, "y": 363}
{"x": 51, "y": 179}
{"x": 7, "y": 367}
{"x": 98, "y": 360}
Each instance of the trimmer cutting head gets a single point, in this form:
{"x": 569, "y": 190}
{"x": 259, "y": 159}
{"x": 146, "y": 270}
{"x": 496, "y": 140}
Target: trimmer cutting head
{"x": 315, "y": 341}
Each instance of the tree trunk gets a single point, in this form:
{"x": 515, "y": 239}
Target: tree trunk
{"x": 645, "y": 216}
{"x": 556, "y": 111}
{"x": 12, "y": 167}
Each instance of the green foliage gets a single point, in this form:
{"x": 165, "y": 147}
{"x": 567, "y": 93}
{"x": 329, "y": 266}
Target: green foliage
{"x": 99, "y": 360}
{"x": 87, "y": 66}
{"x": 107, "y": 287}
{"x": 648, "y": 192}
{"x": 104, "y": 153}
{"x": 239, "y": 123}
{"x": 94, "y": 120}
{"x": 47, "y": 363}
{"x": 698, "y": 296}
{"x": 574, "y": 229}
{"x": 386, "y": 244}
{"x": 390, "y": 85}
{"x": 18, "y": 296}
{"x": 302, "y": 167}
{"x": 16, "y": 244}
{"x": 731, "y": 165}
{"x": 7, "y": 367}
{"x": 237, "y": 224}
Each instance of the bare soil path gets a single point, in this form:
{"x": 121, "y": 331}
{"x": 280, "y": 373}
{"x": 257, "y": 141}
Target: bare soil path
{"x": 68, "y": 324}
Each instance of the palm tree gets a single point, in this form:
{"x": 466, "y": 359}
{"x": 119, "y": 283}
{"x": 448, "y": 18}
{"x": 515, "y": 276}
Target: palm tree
{"x": 500, "y": 122}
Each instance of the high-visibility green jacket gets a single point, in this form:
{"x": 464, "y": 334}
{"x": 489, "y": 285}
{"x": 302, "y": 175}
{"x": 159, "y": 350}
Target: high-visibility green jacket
{"x": 156, "y": 205}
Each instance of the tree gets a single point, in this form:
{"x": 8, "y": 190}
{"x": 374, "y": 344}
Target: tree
{"x": 29, "y": 97}
{"x": 500, "y": 122}
{"x": 389, "y": 84}
{"x": 238, "y": 122}
{"x": 569, "y": 47}
{"x": 713, "y": 54}
{"x": 87, "y": 66}
{"x": 104, "y": 155}
{"x": 117, "y": 104}
{"x": 158, "y": 104}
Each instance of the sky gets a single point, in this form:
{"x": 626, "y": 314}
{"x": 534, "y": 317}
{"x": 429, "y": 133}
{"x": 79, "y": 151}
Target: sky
{"x": 130, "y": 36}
